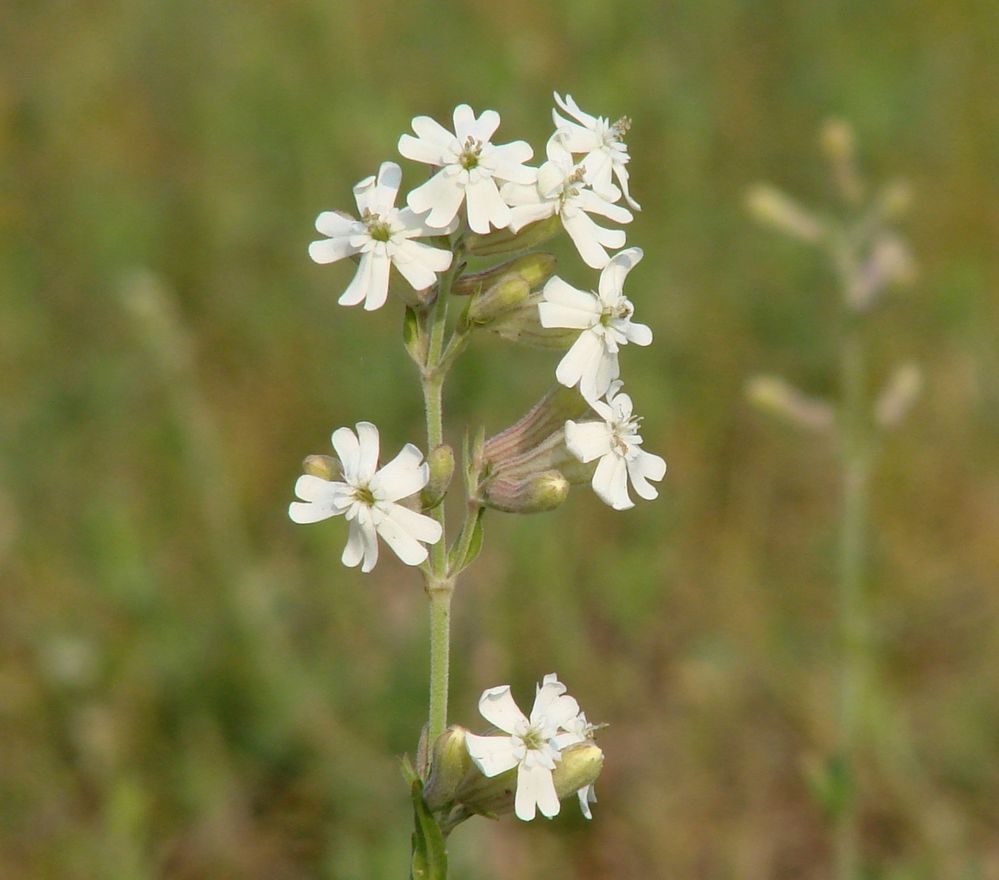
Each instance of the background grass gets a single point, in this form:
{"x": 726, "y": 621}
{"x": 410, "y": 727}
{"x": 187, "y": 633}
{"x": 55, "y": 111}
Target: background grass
{"x": 192, "y": 687}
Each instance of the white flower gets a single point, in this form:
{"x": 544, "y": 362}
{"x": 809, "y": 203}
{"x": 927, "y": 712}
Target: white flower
{"x": 601, "y": 142}
{"x": 367, "y": 498}
{"x": 617, "y": 443}
{"x": 383, "y": 236}
{"x": 605, "y": 319}
{"x": 530, "y": 745}
{"x": 560, "y": 189}
{"x": 470, "y": 166}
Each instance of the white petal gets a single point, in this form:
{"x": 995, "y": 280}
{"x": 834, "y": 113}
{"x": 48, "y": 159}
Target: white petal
{"x": 610, "y": 482}
{"x": 418, "y": 525}
{"x": 595, "y": 381}
{"x": 572, "y": 108}
{"x": 441, "y": 196}
{"x": 579, "y": 308}
{"x": 429, "y": 129}
{"x": 621, "y": 173}
{"x": 401, "y": 477}
{"x": 394, "y": 533}
{"x": 310, "y": 488}
{"x": 585, "y": 236}
{"x": 612, "y": 278}
{"x": 369, "y": 539}
{"x": 525, "y": 215}
{"x": 363, "y": 191}
{"x": 496, "y": 705}
{"x": 389, "y": 181}
{"x": 587, "y": 796}
{"x": 492, "y": 754}
{"x": 464, "y": 122}
{"x": 553, "y": 705}
{"x": 640, "y": 334}
{"x": 310, "y": 512}
{"x": 593, "y": 204}
{"x": 535, "y": 789}
{"x": 588, "y": 440}
{"x": 334, "y": 224}
{"x": 377, "y": 291}
{"x": 353, "y": 553}
{"x": 508, "y": 160}
{"x": 421, "y": 150}
{"x": 367, "y": 460}
{"x": 582, "y": 358}
{"x": 419, "y": 263}
{"x": 485, "y": 206}
{"x": 644, "y": 467}
{"x": 348, "y": 451}
{"x": 485, "y": 126}
{"x": 329, "y": 250}
{"x": 414, "y": 226}
{"x": 598, "y": 166}
{"x": 357, "y": 290}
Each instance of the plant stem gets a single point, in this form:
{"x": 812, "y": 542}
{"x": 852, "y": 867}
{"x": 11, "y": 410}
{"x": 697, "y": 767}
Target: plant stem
{"x": 855, "y": 449}
{"x": 438, "y": 585}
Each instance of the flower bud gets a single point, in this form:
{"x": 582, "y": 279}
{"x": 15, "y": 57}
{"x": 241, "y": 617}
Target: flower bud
{"x": 504, "y": 241}
{"x": 898, "y": 396}
{"x": 441, "y": 463}
{"x": 535, "y": 493}
{"x": 839, "y": 144}
{"x": 773, "y": 208}
{"x": 774, "y": 395}
{"x": 889, "y": 263}
{"x": 326, "y": 467}
{"x": 546, "y": 417}
{"x": 522, "y": 326}
{"x": 580, "y": 766}
{"x": 449, "y": 766}
{"x": 497, "y": 300}
{"x": 533, "y": 268}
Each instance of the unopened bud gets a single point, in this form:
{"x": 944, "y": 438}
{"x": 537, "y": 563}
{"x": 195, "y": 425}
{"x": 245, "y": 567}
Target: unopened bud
{"x": 775, "y": 396}
{"x": 543, "y": 419}
{"x": 535, "y": 269}
{"x": 522, "y": 326}
{"x": 441, "y": 464}
{"x": 326, "y": 467}
{"x": 840, "y": 147}
{"x": 580, "y": 766}
{"x": 449, "y": 765}
{"x": 899, "y": 395}
{"x": 497, "y": 300}
{"x": 889, "y": 263}
{"x": 504, "y": 241}
{"x": 774, "y": 208}
{"x": 536, "y": 493}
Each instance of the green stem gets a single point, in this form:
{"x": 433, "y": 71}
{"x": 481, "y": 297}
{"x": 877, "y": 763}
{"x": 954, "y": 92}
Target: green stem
{"x": 852, "y": 604}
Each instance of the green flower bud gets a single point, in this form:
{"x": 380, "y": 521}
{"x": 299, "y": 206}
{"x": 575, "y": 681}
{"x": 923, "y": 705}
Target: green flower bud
{"x": 326, "y": 467}
{"x": 503, "y": 241}
{"x": 449, "y": 766}
{"x": 770, "y": 206}
{"x": 535, "y": 493}
{"x": 503, "y": 296}
{"x": 441, "y": 463}
{"x": 535, "y": 269}
{"x": 546, "y": 417}
{"x": 580, "y": 766}
{"x": 522, "y": 326}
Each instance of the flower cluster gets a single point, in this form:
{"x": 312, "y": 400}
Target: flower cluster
{"x": 533, "y": 745}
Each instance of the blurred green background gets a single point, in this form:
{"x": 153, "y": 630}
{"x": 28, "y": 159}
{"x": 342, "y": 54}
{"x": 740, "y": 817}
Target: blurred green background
{"x": 191, "y": 686}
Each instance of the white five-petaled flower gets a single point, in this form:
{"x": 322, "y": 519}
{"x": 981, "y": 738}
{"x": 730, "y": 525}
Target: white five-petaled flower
{"x": 601, "y": 142}
{"x": 616, "y": 442}
{"x": 383, "y": 237}
{"x": 561, "y": 189}
{"x": 603, "y": 317}
{"x": 530, "y": 744}
{"x": 471, "y": 169}
{"x": 367, "y": 497}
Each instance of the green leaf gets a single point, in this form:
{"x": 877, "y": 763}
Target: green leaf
{"x": 429, "y": 855}
{"x": 412, "y": 336}
{"x": 455, "y": 565}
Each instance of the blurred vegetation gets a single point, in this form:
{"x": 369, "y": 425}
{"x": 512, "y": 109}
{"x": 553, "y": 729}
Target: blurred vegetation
{"x": 192, "y": 687}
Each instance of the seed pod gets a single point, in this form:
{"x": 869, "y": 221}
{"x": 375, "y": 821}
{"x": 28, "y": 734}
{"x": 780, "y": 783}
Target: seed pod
{"x": 441, "y": 464}
{"x": 546, "y": 417}
{"x": 533, "y": 268}
{"x": 503, "y": 241}
{"x": 536, "y": 493}
{"x": 326, "y": 467}
{"x": 449, "y": 766}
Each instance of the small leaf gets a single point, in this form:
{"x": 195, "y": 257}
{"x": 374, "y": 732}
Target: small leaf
{"x": 429, "y": 854}
{"x": 412, "y": 336}
{"x": 456, "y": 565}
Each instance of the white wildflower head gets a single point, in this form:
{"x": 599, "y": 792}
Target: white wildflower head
{"x": 367, "y": 497}
{"x": 472, "y": 169}
{"x": 604, "y": 319}
{"x": 561, "y": 189}
{"x": 529, "y": 744}
{"x": 383, "y": 237}
{"x": 602, "y": 144}
{"x": 615, "y": 441}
